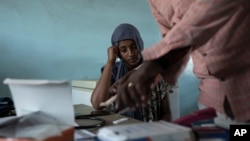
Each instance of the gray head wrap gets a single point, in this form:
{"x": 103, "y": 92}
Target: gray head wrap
{"x": 122, "y": 32}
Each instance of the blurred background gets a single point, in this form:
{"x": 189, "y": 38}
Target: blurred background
{"x": 68, "y": 39}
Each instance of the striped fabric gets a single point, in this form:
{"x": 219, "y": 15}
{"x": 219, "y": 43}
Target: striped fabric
{"x": 219, "y": 35}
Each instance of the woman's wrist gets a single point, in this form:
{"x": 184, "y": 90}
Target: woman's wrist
{"x": 109, "y": 62}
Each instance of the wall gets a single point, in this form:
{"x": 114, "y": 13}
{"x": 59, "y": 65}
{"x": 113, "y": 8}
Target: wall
{"x": 67, "y": 39}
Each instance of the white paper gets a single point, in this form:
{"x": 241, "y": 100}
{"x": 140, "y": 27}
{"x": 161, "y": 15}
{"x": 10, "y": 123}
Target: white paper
{"x": 50, "y": 97}
{"x": 83, "y": 135}
{"x": 33, "y": 125}
{"x": 155, "y": 131}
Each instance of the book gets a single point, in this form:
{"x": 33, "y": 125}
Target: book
{"x": 151, "y": 131}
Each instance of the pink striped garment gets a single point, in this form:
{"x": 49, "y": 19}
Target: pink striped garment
{"x": 219, "y": 35}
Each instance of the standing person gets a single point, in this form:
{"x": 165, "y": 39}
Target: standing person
{"x": 215, "y": 33}
{"x": 127, "y": 45}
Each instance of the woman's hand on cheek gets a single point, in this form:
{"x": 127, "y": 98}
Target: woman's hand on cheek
{"x": 112, "y": 54}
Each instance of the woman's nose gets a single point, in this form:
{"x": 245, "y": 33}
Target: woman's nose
{"x": 130, "y": 52}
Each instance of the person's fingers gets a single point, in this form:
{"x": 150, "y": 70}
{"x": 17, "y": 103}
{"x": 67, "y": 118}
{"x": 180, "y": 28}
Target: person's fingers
{"x": 113, "y": 90}
{"x": 143, "y": 93}
{"x": 135, "y": 95}
{"x": 129, "y": 90}
{"x": 108, "y": 102}
{"x": 126, "y": 98}
{"x": 131, "y": 95}
{"x": 121, "y": 91}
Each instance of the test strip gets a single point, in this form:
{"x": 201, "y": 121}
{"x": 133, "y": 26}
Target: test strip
{"x": 120, "y": 120}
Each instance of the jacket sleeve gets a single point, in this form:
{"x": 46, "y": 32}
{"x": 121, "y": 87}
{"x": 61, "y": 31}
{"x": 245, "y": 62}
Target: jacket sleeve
{"x": 200, "y": 22}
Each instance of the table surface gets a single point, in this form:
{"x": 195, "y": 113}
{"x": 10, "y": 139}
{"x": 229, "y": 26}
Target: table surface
{"x": 81, "y": 109}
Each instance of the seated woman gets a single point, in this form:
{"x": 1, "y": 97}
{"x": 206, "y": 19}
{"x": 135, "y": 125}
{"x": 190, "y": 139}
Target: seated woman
{"x": 127, "y": 45}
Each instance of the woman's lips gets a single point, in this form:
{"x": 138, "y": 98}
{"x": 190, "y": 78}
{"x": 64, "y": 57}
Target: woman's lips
{"x": 134, "y": 60}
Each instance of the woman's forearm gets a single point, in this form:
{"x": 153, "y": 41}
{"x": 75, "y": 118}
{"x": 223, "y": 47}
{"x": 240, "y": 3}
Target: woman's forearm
{"x": 101, "y": 91}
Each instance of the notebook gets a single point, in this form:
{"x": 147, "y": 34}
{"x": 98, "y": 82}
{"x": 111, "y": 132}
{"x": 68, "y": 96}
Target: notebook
{"x": 51, "y": 97}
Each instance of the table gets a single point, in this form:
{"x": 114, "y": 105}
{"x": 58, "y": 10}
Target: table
{"x": 85, "y": 109}
{"x": 81, "y": 109}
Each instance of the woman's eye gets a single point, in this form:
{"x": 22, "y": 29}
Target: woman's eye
{"x": 133, "y": 47}
{"x": 123, "y": 50}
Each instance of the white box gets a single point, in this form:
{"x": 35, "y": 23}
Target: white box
{"x": 152, "y": 131}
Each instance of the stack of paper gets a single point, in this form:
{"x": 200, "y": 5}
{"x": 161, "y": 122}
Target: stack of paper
{"x": 153, "y": 131}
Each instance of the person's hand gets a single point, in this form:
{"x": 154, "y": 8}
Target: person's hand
{"x": 134, "y": 87}
{"x": 113, "y": 88}
{"x": 112, "y": 54}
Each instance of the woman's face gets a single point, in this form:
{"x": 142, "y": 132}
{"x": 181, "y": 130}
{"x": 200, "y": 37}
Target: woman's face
{"x": 129, "y": 53}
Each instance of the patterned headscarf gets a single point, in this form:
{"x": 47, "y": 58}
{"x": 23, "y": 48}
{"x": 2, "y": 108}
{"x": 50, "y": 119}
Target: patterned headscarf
{"x": 122, "y": 32}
